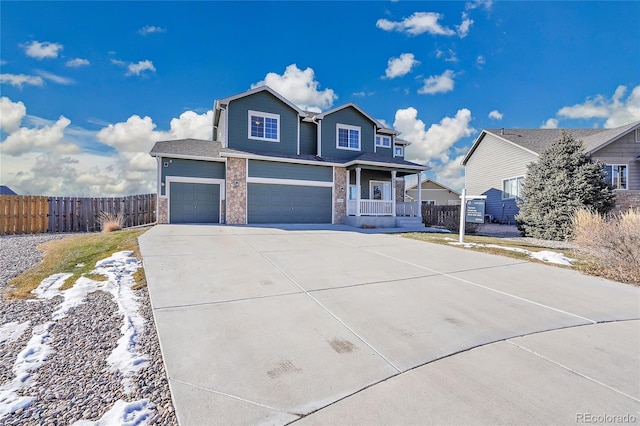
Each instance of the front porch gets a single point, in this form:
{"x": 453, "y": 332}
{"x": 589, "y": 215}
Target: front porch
{"x": 376, "y": 199}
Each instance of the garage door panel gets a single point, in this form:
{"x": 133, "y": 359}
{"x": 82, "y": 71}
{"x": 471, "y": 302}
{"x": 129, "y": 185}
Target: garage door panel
{"x": 194, "y": 202}
{"x": 269, "y": 203}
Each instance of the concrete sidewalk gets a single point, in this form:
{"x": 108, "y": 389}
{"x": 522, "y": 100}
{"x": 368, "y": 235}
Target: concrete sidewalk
{"x": 331, "y": 326}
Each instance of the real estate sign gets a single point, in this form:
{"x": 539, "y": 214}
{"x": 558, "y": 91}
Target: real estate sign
{"x": 475, "y": 211}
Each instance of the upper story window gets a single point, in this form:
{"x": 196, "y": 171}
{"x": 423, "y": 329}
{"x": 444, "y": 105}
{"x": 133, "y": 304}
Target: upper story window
{"x": 399, "y": 151}
{"x": 637, "y": 135}
{"x": 347, "y": 137}
{"x": 512, "y": 187}
{"x": 383, "y": 141}
{"x": 616, "y": 175}
{"x": 264, "y": 126}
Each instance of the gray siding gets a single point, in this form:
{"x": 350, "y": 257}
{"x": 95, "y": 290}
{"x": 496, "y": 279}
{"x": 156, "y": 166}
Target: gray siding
{"x": 191, "y": 168}
{"x": 308, "y": 138}
{"x": 264, "y": 102}
{"x": 623, "y": 151}
{"x": 493, "y": 161}
{"x": 271, "y": 169}
{"x": 352, "y": 117}
{"x": 367, "y": 176}
{"x": 385, "y": 151}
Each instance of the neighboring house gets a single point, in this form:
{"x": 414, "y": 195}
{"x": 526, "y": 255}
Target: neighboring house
{"x": 496, "y": 164}
{"x": 433, "y": 193}
{"x": 271, "y": 162}
{"x": 5, "y": 190}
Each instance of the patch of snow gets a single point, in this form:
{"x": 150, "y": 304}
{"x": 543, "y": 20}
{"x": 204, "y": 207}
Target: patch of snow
{"x": 11, "y": 331}
{"x": 545, "y": 256}
{"x": 552, "y": 257}
{"x": 29, "y": 359}
{"x": 50, "y": 287}
{"x": 123, "y": 413}
{"x": 440, "y": 230}
{"x": 119, "y": 269}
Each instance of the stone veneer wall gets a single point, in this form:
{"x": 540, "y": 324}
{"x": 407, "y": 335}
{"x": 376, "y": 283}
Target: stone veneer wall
{"x": 163, "y": 210}
{"x": 236, "y": 213}
{"x": 399, "y": 190}
{"x": 341, "y": 192}
{"x": 626, "y": 200}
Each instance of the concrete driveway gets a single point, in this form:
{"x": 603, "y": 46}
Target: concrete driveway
{"x": 332, "y": 326}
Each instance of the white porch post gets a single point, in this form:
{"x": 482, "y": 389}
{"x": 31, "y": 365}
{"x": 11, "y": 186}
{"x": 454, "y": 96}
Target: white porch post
{"x": 358, "y": 169}
{"x": 393, "y": 193}
{"x": 419, "y": 195}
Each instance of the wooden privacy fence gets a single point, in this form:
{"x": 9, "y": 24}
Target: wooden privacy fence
{"x": 23, "y": 214}
{"x": 31, "y": 214}
{"x": 447, "y": 216}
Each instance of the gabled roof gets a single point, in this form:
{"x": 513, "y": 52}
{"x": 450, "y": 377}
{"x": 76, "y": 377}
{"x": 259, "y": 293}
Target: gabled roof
{"x": 537, "y": 140}
{"x": 399, "y": 141}
{"x": 434, "y": 182}
{"x": 187, "y": 148}
{"x": 5, "y": 190}
{"x": 370, "y": 158}
{"x": 380, "y": 127}
{"x": 225, "y": 101}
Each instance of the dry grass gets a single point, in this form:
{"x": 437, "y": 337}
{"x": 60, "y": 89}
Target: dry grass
{"x": 110, "y": 222}
{"x": 609, "y": 245}
{"x": 77, "y": 255}
{"x": 446, "y": 239}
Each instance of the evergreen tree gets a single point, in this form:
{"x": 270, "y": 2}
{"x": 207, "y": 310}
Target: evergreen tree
{"x": 563, "y": 179}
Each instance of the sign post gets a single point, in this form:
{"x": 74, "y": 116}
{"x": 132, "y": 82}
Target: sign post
{"x": 471, "y": 210}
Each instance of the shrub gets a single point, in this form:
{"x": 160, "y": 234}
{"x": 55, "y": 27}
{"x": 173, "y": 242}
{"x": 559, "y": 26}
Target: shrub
{"x": 611, "y": 244}
{"x": 110, "y": 222}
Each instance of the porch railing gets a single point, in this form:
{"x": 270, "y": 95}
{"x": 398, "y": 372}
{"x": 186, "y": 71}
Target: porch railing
{"x": 370, "y": 208}
{"x": 407, "y": 209}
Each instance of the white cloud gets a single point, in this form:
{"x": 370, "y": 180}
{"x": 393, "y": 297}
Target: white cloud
{"x": 551, "y": 123}
{"x": 42, "y": 50}
{"x": 480, "y": 60}
{"x": 442, "y": 83}
{"x": 495, "y": 115}
{"x": 65, "y": 81}
{"x": 418, "y": 23}
{"x": 487, "y": 4}
{"x": 465, "y": 26}
{"x": 300, "y": 87}
{"x": 432, "y": 143}
{"x": 451, "y": 58}
{"x": 18, "y": 80}
{"x": 49, "y": 138}
{"x": 45, "y": 161}
{"x": 616, "y": 110}
{"x": 140, "y": 67}
{"x": 450, "y": 173}
{"x": 77, "y": 63}
{"x": 397, "y": 67}
{"x": 11, "y": 114}
{"x": 151, "y": 29}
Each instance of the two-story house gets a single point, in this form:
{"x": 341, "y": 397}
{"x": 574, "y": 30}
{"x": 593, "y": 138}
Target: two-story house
{"x": 496, "y": 164}
{"x": 271, "y": 162}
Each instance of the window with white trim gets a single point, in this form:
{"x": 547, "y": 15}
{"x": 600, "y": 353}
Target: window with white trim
{"x": 353, "y": 192}
{"x": 616, "y": 175}
{"x": 383, "y": 141}
{"x": 264, "y": 126}
{"x": 512, "y": 187}
{"x": 637, "y": 135}
{"x": 347, "y": 137}
{"x": 399, "y": 151}
{"x": 429, "y": 202}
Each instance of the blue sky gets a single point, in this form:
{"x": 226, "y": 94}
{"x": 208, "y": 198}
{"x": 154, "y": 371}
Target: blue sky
{"x": 88, "y": 87}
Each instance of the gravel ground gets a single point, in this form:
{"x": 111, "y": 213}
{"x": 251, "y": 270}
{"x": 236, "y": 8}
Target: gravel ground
{"x": 75, "y": 383}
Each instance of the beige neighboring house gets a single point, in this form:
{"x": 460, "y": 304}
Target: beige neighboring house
{"x": 433, "y": 193}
